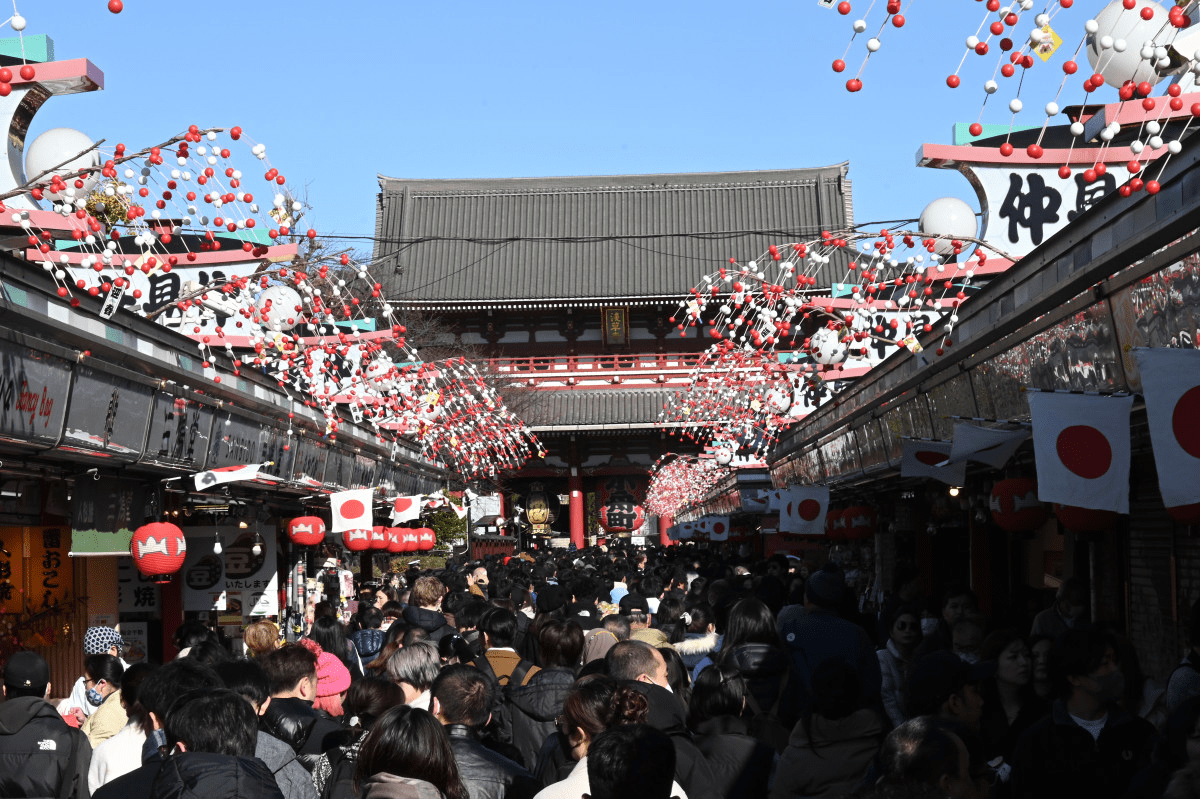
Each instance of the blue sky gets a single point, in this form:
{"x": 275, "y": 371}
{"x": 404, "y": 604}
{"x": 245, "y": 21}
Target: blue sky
{"x": 341, "y": 92}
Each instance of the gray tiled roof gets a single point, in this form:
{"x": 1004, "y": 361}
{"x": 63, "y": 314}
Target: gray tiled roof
{"x": 617, "y": 406}
{"x": 646, "y": 235}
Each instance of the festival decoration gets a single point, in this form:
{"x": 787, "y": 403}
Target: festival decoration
{"x": 1085, "y": 520}
{"x": 677, "y": 480}
{"x": 357, "y": 540}
{"x": 158, "y": 550}
{"x": 426, "y": 539}
{"x": 1015, "y": 506}
{"x": 306, "y": 531}
{"x": 861, "y": 522}
{"x": 394, "y": 544}
{"x": 378, "y": 539}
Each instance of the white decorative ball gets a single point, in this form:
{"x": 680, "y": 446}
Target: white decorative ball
{"x": 1115, "y": 22}
{"x": 284, "y": 300}
{"x": 826, "y": 347}
{"x": 950, "y": 217}
{"x": 55, "y": 146}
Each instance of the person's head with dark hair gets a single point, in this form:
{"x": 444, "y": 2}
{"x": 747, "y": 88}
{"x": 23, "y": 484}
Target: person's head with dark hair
{"x": 631, "y": 761}
{"x": 836, "y": 691}
{"x": 247, "y": 678}
{"x": 718, "y": 691}
{"x": 219, "y": 722}
{"x": 750, "y": 622}
{"x": 210, "y": 653}
{"x": 26, "y": 674}
{"x": 101, "y": 677}
{"x": 329, "y": 633}
{"x": 414, "y": 635}
{"x": 324, "y": 608}
{"x": 190, "y": 633}
{"x": 131, "y": 686}
{"x": 499, "y": 627}
{"x": 1071, "y": 600}
{"x": 463, "y": 694}
{"x": 560, "y": 644}
{"x": 467, "y": 617}
{"x": 369, "y": 698}
{"x": 699, "y": 619}
{"x": 292, "y": 671}
{"x": 618, "y": 625}
{"x": 923, "y": 751}
{"x": 409, "y": 743}
{"x": 958, "y": 601}
{"x": 941, "y": 684}
{"x": 1007, "y": 649}
{"x": 637, "y": 661}
{"x": 1085, "y": 671}
{"x": 454, "y": 601}
{"x": 161, "y": 688}
{"x": 826, "y": 588}
{"x": 597, "y": 703}
{"x": 371, "y": 618}
{"x": 392, "y": 610}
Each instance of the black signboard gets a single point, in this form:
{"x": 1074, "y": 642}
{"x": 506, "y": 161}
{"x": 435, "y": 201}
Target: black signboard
{"x": 338, "y": 469}
{"x": 107, "y": 417}
{"x": 240, "y": 441}
{"x": 33, "y": 396}
{"x": 308, "y": 469}
{"x": 363, "y": 472}
{"x": 179, "y": 432}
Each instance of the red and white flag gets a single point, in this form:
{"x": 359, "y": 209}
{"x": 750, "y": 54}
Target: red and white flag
{"x": 405, "y": 509}
{"x": 351, "y": 509}
{"x": 985, "y": 444}
{"x": 932, "y": 459}
{"x": 1081, "y": 446}
{"x": 1171, "y": 387}
{"x": 717, "y": 527}
{"x": 459, "y": 510}
{"x": 226, "y": 474}
{"x": 803, "y": 511}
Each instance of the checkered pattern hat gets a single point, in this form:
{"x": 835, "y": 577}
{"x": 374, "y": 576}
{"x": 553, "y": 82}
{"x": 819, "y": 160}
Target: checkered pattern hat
{"x": 98, "y": 640}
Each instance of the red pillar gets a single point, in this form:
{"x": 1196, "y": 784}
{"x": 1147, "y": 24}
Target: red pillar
{"x": 575, "y": 487}
{"x": 665, "y": 522}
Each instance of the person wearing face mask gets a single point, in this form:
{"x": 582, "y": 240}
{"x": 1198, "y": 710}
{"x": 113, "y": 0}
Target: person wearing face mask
{"x": 958, "y": 601}
{"x": 1010, "y": 705}
{"x": 102, "y": 682}
{"x": 1087, "y": 745}
{"x": 895, "y": 660}
{"x": 1068, "y": 611}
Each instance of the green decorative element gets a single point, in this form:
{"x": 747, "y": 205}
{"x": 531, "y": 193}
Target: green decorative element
{"x": 962, "y": 132}
{"x": 357, "y": 324}
{"x": 17, "y": 296}
{"x": 114, "y": 334}
{"x": 94, "y": 542}
{"x": 39, "y": 49}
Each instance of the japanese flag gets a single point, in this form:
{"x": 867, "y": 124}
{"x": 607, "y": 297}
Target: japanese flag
{"x": 405, "y": 509}
{"x": 985, "y": 444}
{"x": 1171, "y": 386}
{"x": 351, "y": 509}
{"x": 932, "y": 459}
{"x": 1081, "y": 446}
{"x": 803, "y": 511}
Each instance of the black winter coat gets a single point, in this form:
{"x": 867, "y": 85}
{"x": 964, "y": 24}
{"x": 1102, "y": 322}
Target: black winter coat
{"x": 200, "y": 775}
{"x": 764, "y": 667}
{"x": 533, "y": 708}
{"x": 298, "y": 724}
{"x": 740, "y": 764}
{"x": 431, "y": 621}
{"x": 35, "y": 751}
{"x": 487, "y": 774}
{"x": 692, "y": 771}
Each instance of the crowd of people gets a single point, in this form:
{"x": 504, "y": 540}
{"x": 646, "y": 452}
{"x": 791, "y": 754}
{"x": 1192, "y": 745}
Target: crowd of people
{"x": 617, "y": 675}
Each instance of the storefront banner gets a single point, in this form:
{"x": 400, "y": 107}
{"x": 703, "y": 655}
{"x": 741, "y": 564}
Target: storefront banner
{"x": 179, "y": 432}
{"x": 108, "y": 418}
{"x": 136, "y": 593}
{"x": 1171, "y": 387}
{"x": 803, "y": 511}
{"x": 104, "y": 513}
{"x": 1082, "y": 449}
{"x": 931, "y": 459}
{"x": 33, "y": 395}
{"x": 212, "y": 581}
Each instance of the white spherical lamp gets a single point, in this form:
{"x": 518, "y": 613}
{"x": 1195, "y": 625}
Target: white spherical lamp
{"x": 57, "y": 145}
{"x": 277, "y": 306}
{"x": 1113, "y": 23}
{"x": 827, "y": 347}
{"x": 949, "y": 217}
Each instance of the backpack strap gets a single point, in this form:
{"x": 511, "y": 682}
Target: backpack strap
{"x": 485, "y": 665}
{"x": 518, "y": 674}
{"x": 69, "y": 773}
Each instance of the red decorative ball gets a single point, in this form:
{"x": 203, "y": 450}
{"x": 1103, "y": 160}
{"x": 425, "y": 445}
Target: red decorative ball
{"x": 306, "y": 531}
{"x": 976, "y": 129}
{"x": 1006, "y": 149}
{"x": 116, "y": 6}
{"x": 843, "y": 8}
{"x": 854, "y": 85}
{"x": 1064, "y": 172}
{"x": 158, "y": 550}
{"x": 27, "y": 72}
{"x": 1034, "y": 151}
{"x": 839, "y": 65}
{"x": 357, "y": 540}
{"x": 1015, "y": 506}
{"x": 953, "y": 81}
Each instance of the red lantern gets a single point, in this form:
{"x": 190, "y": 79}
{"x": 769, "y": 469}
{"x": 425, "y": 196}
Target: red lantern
{"x": 306, "y": 531}
{"x": 1186, "y": 514}
{"x": 394, "y": 544}
{"x": 860, "y": 522}
{"x": 426, "y": 539}
{"x": 1015, "y": 506}
{"x": 357, "y": 540}
{"x": 408, "y": 539}
{"x": 158, "y": 550}
{"x": 379, "y": 539}
{"x": 1085, "y": 520}
{"x": 835, "y": 524}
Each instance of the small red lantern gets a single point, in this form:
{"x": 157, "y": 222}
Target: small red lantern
{"x": 306, "y": 531}
{"x": 1186, "y": 514}
{"x": 158, "y": 550}
{"x": 1085, "y": 520}
{"x": 379, "y": 539}
{"x": 408, "y": 540}
{"x": 835, "y": 524}
{"x": 1015, "y": 507}
{"x": 395, "y": 546}
{"x": 357, "y": 540}
{"x": 860, "y": 521}
{"x": 426, "y": 539}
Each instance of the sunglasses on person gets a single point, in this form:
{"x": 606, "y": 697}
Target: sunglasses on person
{"x": 905, "y": 626}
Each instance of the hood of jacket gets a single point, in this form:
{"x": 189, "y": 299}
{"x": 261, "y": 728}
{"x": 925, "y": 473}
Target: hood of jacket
{"x": 200, "y": 775}
{"x": 757, "y": 660}
{"x": 542, "y": 698}
{"x": 667, "y": 713}
{"x": 368, "y": 642}
{"x": 428, "y": 620}
{"x": 863, "y": 723}
{"x": 697, "y": 644}
{"x": 16, "y": 713}
{"x": 389, "y": 786}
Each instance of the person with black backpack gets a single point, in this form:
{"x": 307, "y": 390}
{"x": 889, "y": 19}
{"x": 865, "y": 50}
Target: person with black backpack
{"x": 740, "y": 763}
{"x": 751, "y": 645}
{"x": 498, "y": 630}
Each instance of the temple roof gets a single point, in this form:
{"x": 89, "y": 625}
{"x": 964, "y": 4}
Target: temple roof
{"x": 604, "y": 409}
{"x": 478, "y": 243}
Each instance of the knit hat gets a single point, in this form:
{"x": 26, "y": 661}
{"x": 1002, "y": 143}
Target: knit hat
{"x": 825, "y": 588}
{"x": 98, "y": 640}
{"x": 26, "y": 670}
{"x": 332, "y": 676}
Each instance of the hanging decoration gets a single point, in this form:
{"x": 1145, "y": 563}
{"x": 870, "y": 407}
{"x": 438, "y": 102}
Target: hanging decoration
{"x": 1015, "y": 506}
{"x": 306, "y": 531}
{"x": 158, "y": 550}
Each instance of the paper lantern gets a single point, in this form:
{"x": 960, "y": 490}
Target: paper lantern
{"x": 861, "y": 522}
{"x": 158, "y": 550}
{"x": 379, "y": 539}
{"x": 357, "y": 540}
{"x": 835, "y": 524}
{"x": 1186, "y": 514}
{"x": 394, "y": 543}
{"x": 306, "y": 531}
{"x": 426, "y": 539}
{"x": 409, "y": 540}
{"x": 948, "y": 216}
{"x": 1085, "y": 520}
{"x": 1015, "y": 506}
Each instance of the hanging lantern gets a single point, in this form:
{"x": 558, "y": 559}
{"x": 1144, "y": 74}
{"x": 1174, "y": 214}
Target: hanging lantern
{"x": 1085, "y": 520}
{"x": 306, "y": 531}
{"x": 621, "y": 511}
{"x": 357, "y": 540}
{"x": 860, "y": 522}
{"x": 158, "y": 550}
{"x": 1186, "y": 514}
{"x": 1015, "y": 506}
{"x": 408, "y": 539}
{"x": 379, "y": 539}
{"x": 835, "y": 524}
{"x": 426, "y": 539}
{"x": 394, "y": 544}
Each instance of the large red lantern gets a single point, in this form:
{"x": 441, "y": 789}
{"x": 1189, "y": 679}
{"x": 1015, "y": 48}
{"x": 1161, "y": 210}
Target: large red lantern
{"x": 357, "y": 540}
{"x": 835, "y": 524}
{"x": 379, "y": 539}
{"x": 1015, "y": 506}
{"x": 1085, "y": 520}
{"x": 861, "y": 522}
{"x": 306, "y": 531}
{"x": 395, "y": 546}
{"x": 158, "y": 550}
{"x": 426, "y": 539}
{"x": 408, "y": 539}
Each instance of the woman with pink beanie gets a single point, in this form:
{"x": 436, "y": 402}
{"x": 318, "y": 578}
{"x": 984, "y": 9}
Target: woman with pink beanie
{"x": 333, "y": 680}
